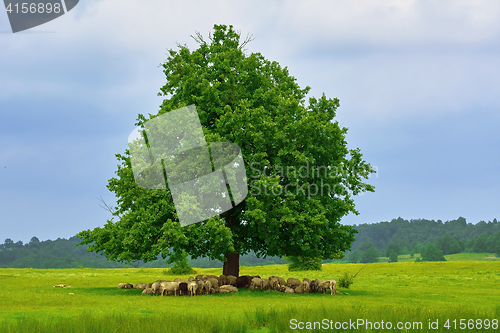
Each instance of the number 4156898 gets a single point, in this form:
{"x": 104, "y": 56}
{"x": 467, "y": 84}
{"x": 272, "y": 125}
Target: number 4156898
{"x": 33, "y": 8}
{"x": 471, "y": 324}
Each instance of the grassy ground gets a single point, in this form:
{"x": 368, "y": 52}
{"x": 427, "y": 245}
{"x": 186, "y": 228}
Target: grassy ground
{"x": 396, "y": 292}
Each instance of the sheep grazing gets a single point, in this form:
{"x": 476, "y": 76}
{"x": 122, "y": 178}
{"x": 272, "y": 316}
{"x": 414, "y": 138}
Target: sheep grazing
{"x": 314, "y": 286}
{"x": 148, "y": 291}
{"x": 293, "y": 283}
{"x": 307, "y": 286}
{"x": 183, "y": 288}
{"x": 228, "y": 289}
{"x": 232, "y": 280}
{"x": 303, "y": 288}
{"x": 201, "y": 286}
{"x": 156, "y": 286}
{"x": 223, "y": 280}
{"x": 265, "y": 285}
{"x": 279, "y": 278}
{"x": 208, "y": 284}
{"x": 329, "y": 284}
{"x": 244, "y": 281}
{"x": 207, "y": 287}
{"x": 215, "y": 284}
{"x": 256, "y": 283}
{"x": 168, "y": 287}
{"x": 275, "y": 282}
{"x": 333, "y": 287}
{"x": 125, "y": 286}
{"x": 192, "y": 286}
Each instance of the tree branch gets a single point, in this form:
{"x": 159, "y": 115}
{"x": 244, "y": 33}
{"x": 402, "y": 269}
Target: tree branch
{"x": 107, "y": 207}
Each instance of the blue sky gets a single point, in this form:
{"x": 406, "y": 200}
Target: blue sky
{"x": 418, "y": 83}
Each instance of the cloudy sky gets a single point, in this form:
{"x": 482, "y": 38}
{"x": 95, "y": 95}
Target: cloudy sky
{"x": 418, "y": 83}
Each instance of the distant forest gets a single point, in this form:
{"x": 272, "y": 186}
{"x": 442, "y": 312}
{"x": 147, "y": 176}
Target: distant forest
{"x": 64, "y": 253}
{"x": 373, "y": 241}
{"x": 412, "y": 237}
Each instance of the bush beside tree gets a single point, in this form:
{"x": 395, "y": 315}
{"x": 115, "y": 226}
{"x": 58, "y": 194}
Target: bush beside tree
{"x": 181, "y": 265}
{"x": 298, "y": 263}
{"x": 393, "y": 257}
{"x": 432, "y": 253}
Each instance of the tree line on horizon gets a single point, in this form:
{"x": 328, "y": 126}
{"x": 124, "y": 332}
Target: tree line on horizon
{"x": 432, "y": 239}
{"x": 64, "y": 253}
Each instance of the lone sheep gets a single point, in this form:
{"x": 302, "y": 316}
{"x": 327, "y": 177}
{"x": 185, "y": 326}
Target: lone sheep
{"x": 125, "y": 286}
{"x": 329, "y": 284}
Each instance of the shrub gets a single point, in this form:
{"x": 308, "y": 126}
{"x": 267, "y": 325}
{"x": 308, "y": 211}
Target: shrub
{"x": 393, "y": 257}
{"x": 300, "y": 263}
{"x": 432, "y": 253}
{"x": 179, "y": 270}
{"x": 181, "y": 265}
{"x": 345, "y": 280}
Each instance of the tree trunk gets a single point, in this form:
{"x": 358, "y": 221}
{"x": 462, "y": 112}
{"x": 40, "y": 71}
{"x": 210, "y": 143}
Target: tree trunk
{"x": 232, "y": 265}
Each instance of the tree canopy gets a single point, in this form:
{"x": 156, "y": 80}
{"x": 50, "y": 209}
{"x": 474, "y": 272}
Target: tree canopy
{"x": 302, "y": 177}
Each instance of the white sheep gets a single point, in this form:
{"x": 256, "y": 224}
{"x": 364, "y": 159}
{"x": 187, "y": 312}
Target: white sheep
{"x": 168, "y": 287}
{"x": 192, "y": 287}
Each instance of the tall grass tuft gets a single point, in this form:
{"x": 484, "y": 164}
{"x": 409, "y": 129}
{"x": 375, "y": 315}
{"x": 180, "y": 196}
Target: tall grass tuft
{"x": 345, "y": 280}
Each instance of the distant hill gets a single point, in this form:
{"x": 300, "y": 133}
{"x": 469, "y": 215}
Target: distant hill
{"x": 63, "y": 253}
{"x": 373, "y": 241}
{"x": 411, "y": 236}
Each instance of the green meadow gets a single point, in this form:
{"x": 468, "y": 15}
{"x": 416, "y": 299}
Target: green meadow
{"x": 405, "y": 292}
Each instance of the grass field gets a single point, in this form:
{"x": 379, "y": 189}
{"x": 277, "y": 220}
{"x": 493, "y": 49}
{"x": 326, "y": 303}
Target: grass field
{"x": 397, "y": 292}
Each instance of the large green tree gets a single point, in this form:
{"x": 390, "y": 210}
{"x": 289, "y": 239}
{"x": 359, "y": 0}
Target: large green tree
{"x": 302, "y": 177}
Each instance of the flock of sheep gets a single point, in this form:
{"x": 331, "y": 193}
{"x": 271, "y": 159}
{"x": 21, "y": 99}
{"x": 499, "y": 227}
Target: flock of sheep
{"x": 209, "y": 284}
